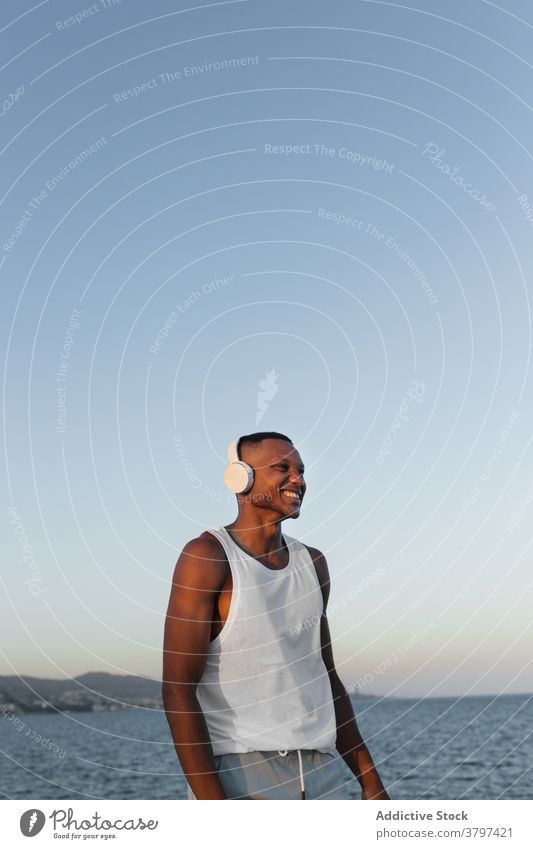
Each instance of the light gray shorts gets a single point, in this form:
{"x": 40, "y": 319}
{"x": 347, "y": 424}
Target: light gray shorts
{"x": 275, "y": 775}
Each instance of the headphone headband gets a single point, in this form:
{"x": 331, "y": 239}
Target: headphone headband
{"x": 233, "y": 451}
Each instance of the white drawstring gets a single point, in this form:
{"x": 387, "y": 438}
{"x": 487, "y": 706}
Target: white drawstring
{"x": 284, "y": 753}
{"x": 302, "y": 783}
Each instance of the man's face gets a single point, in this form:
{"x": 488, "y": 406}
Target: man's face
{"x": 278, "y": 477}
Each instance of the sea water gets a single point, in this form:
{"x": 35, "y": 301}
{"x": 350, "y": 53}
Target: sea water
{"x": 442, "y": 748}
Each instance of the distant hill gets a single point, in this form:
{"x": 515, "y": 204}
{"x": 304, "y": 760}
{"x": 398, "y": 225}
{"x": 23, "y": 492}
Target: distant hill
{"x": 91, "y": 691}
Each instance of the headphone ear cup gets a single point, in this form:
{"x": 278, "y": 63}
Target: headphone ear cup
{"x": 239, "y": 477}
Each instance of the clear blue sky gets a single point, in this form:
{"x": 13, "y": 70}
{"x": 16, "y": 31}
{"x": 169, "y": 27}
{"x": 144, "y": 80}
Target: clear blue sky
{"x": 336, "y": 199}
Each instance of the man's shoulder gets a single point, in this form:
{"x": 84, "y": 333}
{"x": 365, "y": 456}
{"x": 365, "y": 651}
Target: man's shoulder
{"x": 202, "y": 564}
{"x": 319, "y": 562}
{"x": 205, "y": 545}
{"x": 315, "y": 553}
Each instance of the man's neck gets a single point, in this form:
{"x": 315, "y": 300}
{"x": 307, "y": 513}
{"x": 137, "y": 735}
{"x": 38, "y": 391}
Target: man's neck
{"x": 258, "y": 539}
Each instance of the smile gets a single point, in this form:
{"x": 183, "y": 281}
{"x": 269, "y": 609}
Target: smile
{"x": 291, "y": 496}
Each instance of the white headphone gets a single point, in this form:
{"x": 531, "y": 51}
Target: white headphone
{"x": 238, "y": 475}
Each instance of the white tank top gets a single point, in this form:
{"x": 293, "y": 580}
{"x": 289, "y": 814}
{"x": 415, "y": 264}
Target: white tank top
{"x": 265, "y": 686}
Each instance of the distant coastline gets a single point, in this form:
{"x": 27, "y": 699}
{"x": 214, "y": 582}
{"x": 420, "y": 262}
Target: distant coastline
{"x": 92, "y": 691}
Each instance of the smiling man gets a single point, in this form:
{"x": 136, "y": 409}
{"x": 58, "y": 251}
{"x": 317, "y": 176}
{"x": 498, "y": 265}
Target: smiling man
{"x": 252, "y": 697}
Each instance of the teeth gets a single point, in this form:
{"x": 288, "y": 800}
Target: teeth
{"x": 291, "y": 494}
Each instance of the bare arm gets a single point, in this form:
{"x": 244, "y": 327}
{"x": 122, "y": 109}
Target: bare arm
{"x": 349, "y": 744}
{"x": 199, "y": 576}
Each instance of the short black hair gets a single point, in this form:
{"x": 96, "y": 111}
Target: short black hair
{"x": 255, "y": 438}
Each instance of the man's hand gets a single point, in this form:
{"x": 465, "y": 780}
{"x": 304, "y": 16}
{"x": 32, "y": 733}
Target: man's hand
{"x": 373, "y": 790}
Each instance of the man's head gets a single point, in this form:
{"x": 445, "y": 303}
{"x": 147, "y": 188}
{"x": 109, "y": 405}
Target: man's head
{"x": 279, "y": 485}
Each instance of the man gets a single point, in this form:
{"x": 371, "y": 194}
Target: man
{"x": 252, "y": 697}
